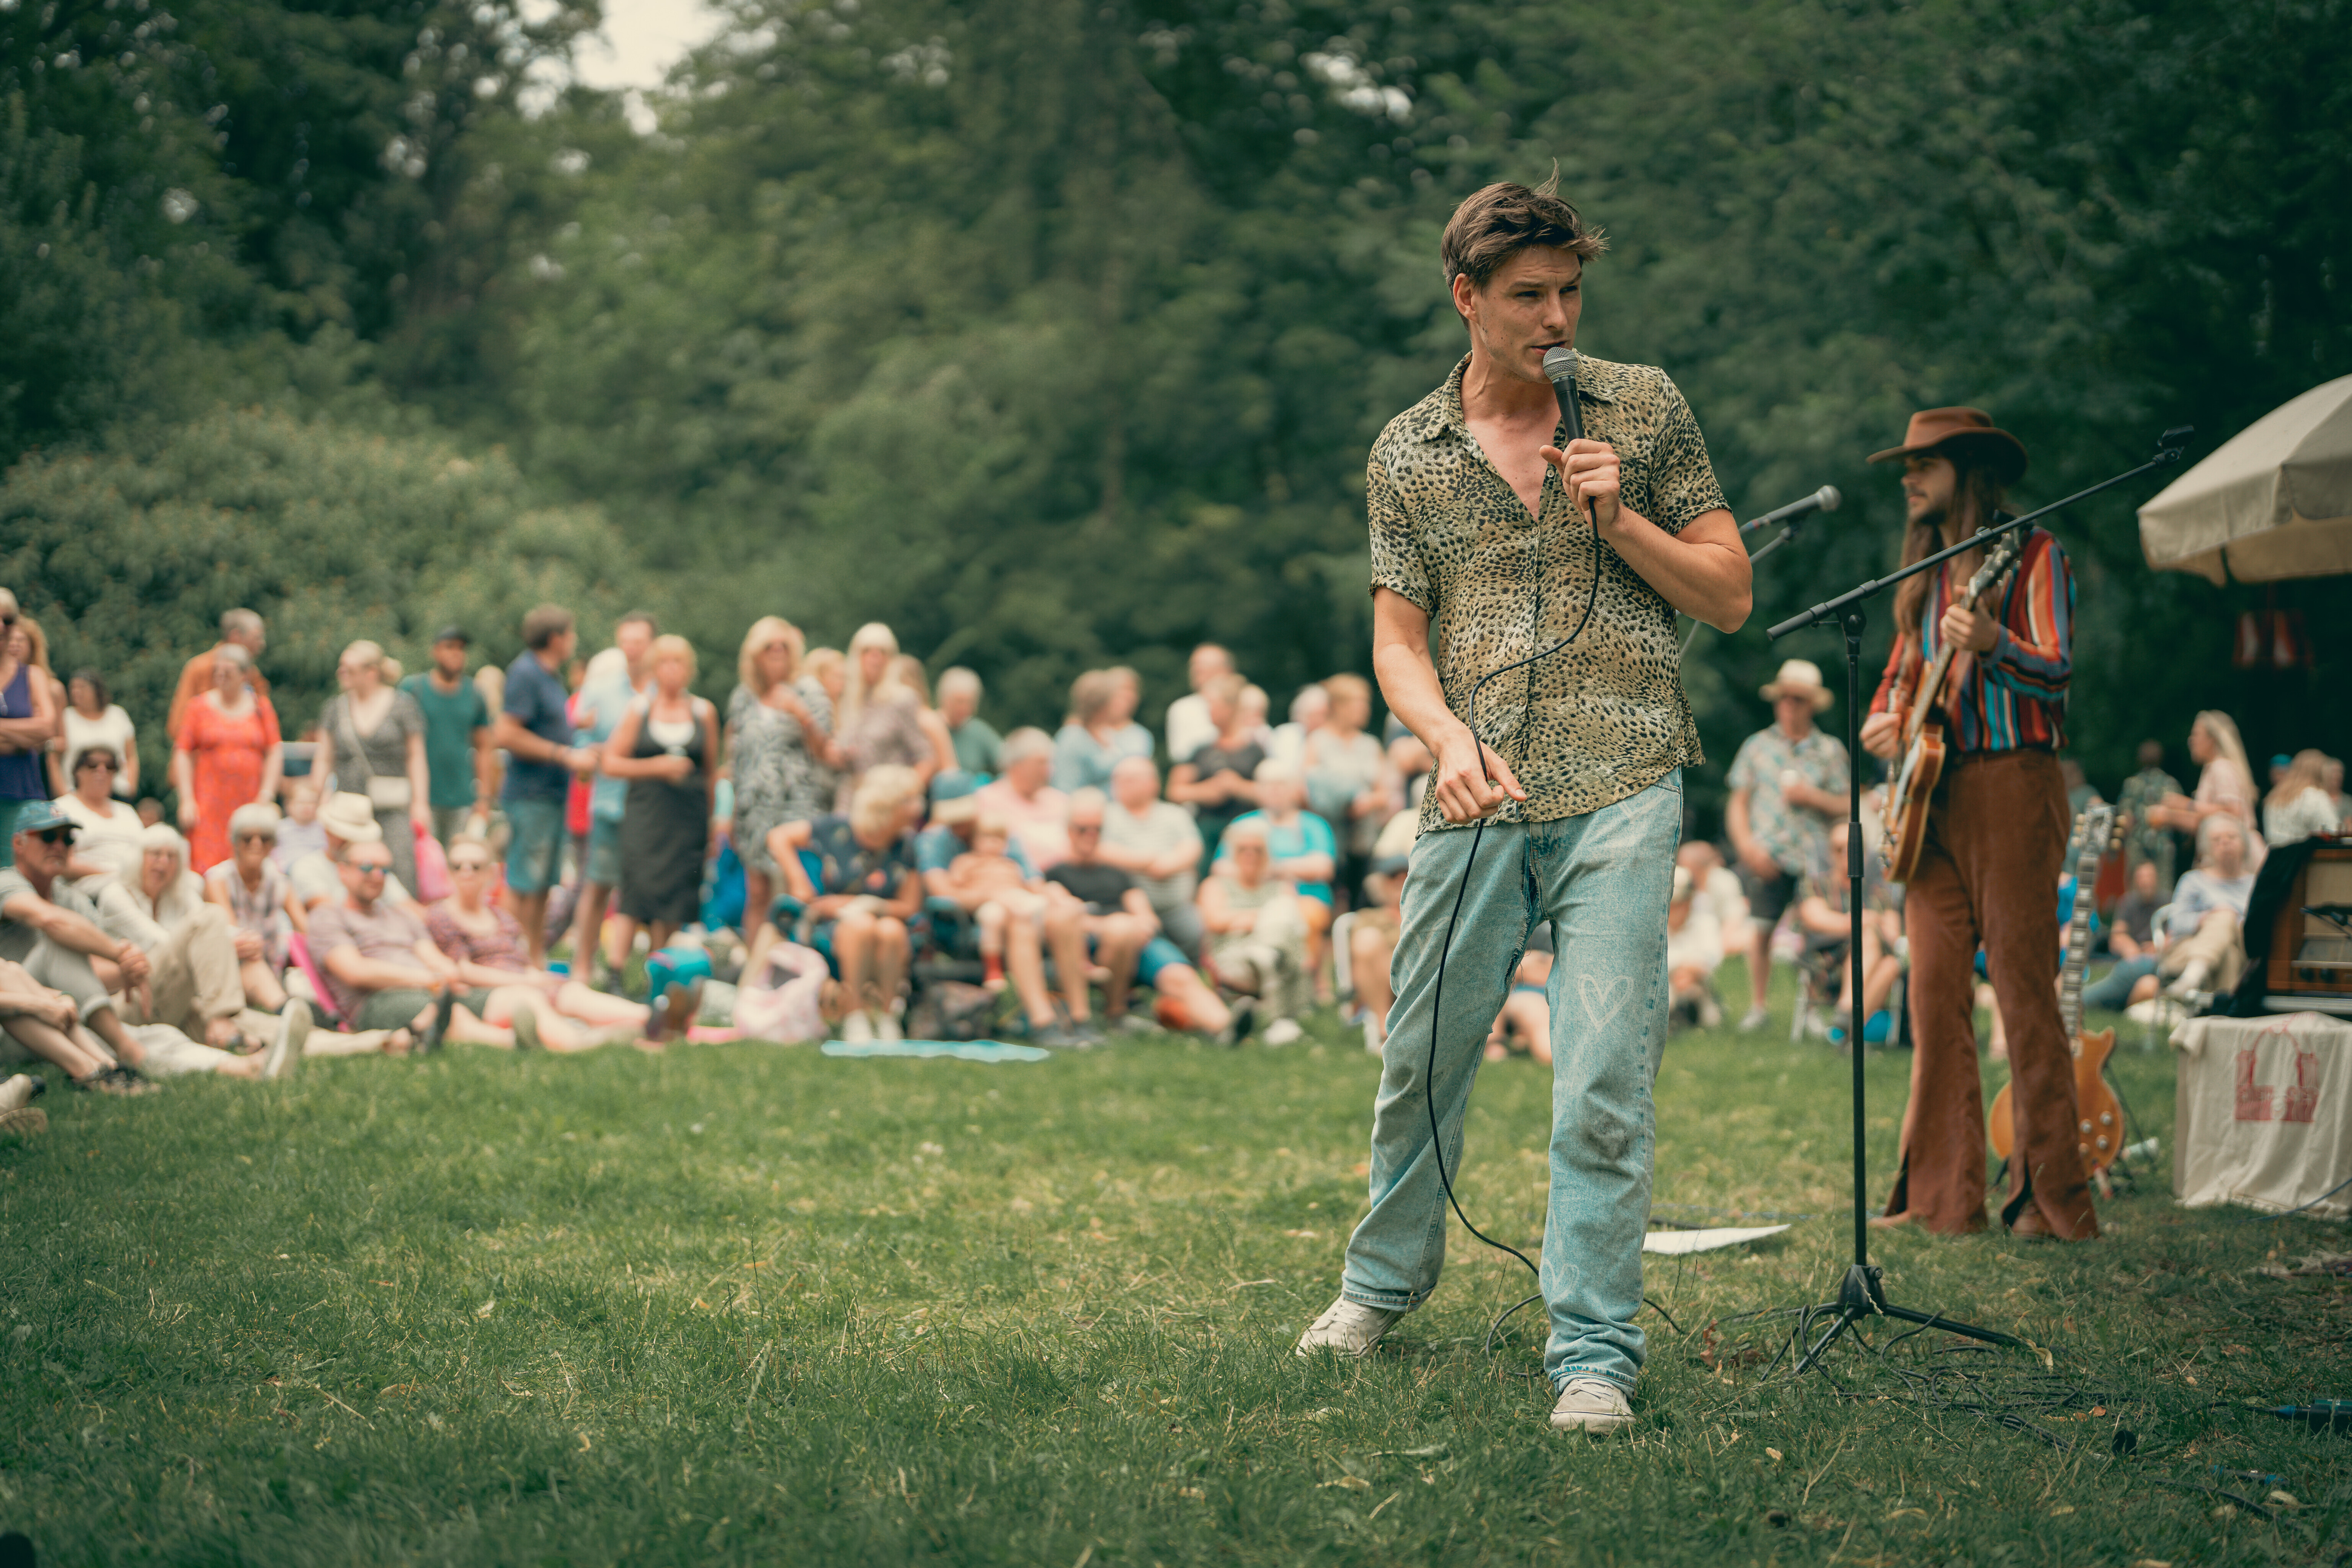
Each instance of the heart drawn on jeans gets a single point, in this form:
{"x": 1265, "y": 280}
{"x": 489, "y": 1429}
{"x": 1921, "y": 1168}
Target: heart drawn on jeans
{"x": 1603, "y": 1000}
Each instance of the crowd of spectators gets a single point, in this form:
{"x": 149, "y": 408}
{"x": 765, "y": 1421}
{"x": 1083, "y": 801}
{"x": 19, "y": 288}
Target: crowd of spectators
{"x": 568, "y": 852}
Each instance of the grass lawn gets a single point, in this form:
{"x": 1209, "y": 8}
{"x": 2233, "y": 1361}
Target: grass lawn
{"x": 750, "y": 1303}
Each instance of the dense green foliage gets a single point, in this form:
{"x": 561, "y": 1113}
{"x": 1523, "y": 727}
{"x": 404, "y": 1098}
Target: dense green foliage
{"x": 1052, "y": 331}
{"x": 747, "y": 1303}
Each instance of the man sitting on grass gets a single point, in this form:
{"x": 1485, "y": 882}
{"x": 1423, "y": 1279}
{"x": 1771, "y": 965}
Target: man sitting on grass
{"x": 1124, "y": 932}
{"x": 383, "y": 972}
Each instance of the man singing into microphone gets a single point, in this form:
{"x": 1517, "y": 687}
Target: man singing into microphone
{"x": 1485, "y": 553}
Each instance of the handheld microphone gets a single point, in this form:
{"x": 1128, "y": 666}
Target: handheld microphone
{"x": 1825, "y": 498}
{"x": 1560, "y": 366}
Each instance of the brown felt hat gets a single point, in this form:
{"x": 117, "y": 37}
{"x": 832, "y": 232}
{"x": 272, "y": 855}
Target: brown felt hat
{"x": 1958, "y": 432}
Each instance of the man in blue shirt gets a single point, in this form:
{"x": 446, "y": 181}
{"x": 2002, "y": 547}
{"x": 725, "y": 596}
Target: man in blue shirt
{"x": 535, "y": 730}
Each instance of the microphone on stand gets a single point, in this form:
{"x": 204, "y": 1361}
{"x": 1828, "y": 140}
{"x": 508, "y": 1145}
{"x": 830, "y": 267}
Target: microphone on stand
{"x": 1825, "y": 498}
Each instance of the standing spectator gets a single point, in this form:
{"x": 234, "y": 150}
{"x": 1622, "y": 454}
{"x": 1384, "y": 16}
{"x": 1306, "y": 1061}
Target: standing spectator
{"x": 1101, "y": 731}
{"x": 92, "y": 717}
{"x": 29, "y": 720}
{"x": 1255, "y": 705}
{"x": 1190, "y": 726}
{"x": 1350, "y": 784}
{"x": 858, "y": 911}
{"x": 1217, "y": 780}
{"x": 372, "y": 742}
{"x": 2299, "y": 805}
{"x": 975, "y": 740}
{"x": 2331, "y": 778}
{"x": 617, "y": 680}
{"x": 458, "y": 756}
{"x": 490, "y": 680}
{"x": 906, "y": 672}
{"x": 1124, "y": 934}
{"x": 226, "y": 754}
{"x": 31, "y": 645}
{"x": 665, "y": 750}
{"x": 1257, "y": 937}
{"x": 1037, "y": 812}
{"x": 2225, "y": 786}
{"x": 534, "y": 730}
{"x": 1156, "y": 842}
{"x": 1301, "y": 850}
{"x": 259, "y": 898}
{"x": 383, "y": 972}
{"x": 1787, "y": 781}
{"x": 2145, "y": 841}
{"x": 825, "y": 678}
{"x": 881, "y": 720}
{"x": 1309, "y": 712}
{"x": 238, "y": 628}
{"x": 776, "y": 737}
{"x": 109, "y": 830}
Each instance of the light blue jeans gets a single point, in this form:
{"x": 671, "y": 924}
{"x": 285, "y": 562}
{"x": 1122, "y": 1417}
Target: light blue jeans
{"x": 1604, "y": 881}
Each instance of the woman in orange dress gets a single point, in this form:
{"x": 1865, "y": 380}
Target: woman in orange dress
{"x": 228, "y": 754}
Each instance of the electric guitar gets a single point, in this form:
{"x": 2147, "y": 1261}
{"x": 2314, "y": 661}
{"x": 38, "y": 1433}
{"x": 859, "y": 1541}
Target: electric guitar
{"x": 2099, "y": 1118}
{"x": 1923, "y": 749}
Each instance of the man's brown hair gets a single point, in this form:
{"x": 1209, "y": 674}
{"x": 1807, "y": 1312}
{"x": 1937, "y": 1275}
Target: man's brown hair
{"x": 544, "y": 625}
{"x": 1494, "y": 225}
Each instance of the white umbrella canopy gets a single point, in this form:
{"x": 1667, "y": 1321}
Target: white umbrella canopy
{"x": 2273, "y": 501}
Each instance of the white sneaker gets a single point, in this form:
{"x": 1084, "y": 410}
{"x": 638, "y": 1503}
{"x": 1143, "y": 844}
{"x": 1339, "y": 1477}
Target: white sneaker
{"x": 285, "y": 1053}
{"x": 1753, "y": 1019}
{"x": 1591, "y": 1404}
{"x": 857, "y": 1029}
{"x": 1349, "y": 1327}
{"x": 1375, "y": 1040}
{"x": 17, "y": 1092}
{"x": 1283, "y": 1031}
{"x": 886, "y": 1025}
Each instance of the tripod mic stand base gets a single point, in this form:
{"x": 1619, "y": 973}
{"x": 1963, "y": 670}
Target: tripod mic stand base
{"x": 1864, "y": 1295}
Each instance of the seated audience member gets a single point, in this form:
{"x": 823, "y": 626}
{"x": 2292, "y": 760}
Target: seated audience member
{"x": 1101, "y": 731}
{"x": 992, "y": 888}
{"x": 196, "y": 985}
{"x": 1720, "y": 886}
{"x": 1022, "y": 926}
{"x": 856, "y": 910}
{"x": 1412, "y": 763}
{"x": 260, "y": 902}
{"x": 92, "y": 717}
{"x": 1350, "y": 784}
{"x": 54, "y": 933}
{"x": 1694, "y": 952}
{"x": 110, "y": 828}
{"x": 2225, "y": 785}
{"x": 1524, "y": 1024}
{"x": 2299, "y": 805}
{"x": 973, "y": 738}
{"x": 486, "y": 944}
{"x": 2331, "y": 778}
{"x": 1309, "y": 710}
{"x": 1372, "y": 934}
{"x": 2208, "y": 906}
{"x": 1304, "y": 852}
{"x": 1255, "y": 707}
{"x": 300, "y": 832}
{"x": 1823, "y": 912}
{"x": 2130, "y": 930}
{"x": 1034, "y": 810}
{"x": 1218, "y": 780}
{"x": 382, "y": 969}
{"x": 318, "y": 877}
{"x": 1123, "y": 932}
{"x": 1254, "y": 934}
{"x": 1155, "y": 842}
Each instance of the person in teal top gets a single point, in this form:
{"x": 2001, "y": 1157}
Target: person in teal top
{"x": 1300, "y": 846}
{"x": 458, "y": 757}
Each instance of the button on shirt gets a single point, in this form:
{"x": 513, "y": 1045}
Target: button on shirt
{"x": 1791, "y": 834}
{"x": 1606, "y": 717}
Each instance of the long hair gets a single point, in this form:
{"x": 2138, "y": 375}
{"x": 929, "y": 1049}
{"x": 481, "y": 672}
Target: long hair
{"x": 2306, "y": 771}
{"x": 765, "y": 631}
{"x": 873, "y": 633}
{"x": 1976, "y": 496}
{"x": 2222, "y": 731}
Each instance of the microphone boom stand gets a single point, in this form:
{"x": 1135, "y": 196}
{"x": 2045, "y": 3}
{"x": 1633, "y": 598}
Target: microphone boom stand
{"x": 1862, "y": 1293}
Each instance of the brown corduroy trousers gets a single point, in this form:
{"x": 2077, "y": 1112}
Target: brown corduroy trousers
{"x": 1988, "y": 873}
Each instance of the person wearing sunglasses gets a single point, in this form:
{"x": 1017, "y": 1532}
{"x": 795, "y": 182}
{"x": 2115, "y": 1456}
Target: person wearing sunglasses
{"x": 92, "y": 717}
{"x": 52, "y": 929}
{"x": 260, "y": 898}
{"x": 29, "y": 720}
{"x": 382, "y": 971}
{"x": 486, "y": 944}
{"x": 108, "y": 829}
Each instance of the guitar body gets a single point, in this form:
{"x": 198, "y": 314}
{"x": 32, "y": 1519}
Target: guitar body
{"x": 2099, "y": 1118}
{"x": 1906, "y": 804}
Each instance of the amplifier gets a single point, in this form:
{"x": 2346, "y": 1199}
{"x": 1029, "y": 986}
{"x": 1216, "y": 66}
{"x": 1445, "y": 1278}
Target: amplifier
{"x": 2311, "y": 944}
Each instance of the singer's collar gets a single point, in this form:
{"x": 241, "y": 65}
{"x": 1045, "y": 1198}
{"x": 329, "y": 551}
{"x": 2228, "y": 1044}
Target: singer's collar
{"x": 1599, "y": 380}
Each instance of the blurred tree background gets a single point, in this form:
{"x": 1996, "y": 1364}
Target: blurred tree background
{"x": 1055, "y": 332}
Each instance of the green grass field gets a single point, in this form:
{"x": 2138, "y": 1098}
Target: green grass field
{"x": 749, "y": 1303}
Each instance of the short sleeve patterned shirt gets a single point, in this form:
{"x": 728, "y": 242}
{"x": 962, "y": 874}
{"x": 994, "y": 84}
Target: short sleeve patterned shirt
{"x": 1605, "y": 718}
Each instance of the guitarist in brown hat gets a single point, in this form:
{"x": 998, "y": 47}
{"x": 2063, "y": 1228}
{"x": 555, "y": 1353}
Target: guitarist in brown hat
{"x": 1995, "y": 833}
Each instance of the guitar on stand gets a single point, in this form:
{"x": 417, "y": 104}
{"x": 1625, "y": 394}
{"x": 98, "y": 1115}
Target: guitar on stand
{"x": 1923, "y": 750}
{"x": 2098, "y": 1116}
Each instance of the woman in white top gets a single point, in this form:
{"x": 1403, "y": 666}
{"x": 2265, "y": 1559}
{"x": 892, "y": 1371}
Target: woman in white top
{"x": 2225, "y": 788}
{"x": 109, "y": 830}
{"x": 92, "y": 717}
{"x": 2299, "y": 806}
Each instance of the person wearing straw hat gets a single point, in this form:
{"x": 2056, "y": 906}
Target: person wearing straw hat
{"x": 1788, "y": 781}
{"x": 349, "y": 818}
{"x": 1997, "y": 830}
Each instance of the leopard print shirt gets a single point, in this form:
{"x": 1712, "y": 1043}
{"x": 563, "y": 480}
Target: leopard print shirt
{"x": 1606, "y": 717}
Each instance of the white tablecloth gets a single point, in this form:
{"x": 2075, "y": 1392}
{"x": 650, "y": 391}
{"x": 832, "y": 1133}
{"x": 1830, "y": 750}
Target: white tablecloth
{"x": 2264, "y": 1112}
